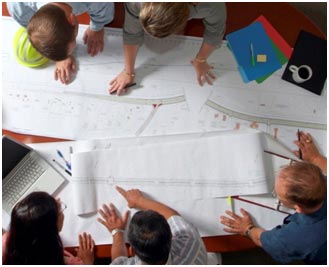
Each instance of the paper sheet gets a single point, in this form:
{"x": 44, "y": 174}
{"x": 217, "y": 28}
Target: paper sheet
{"x": 207, "y": 222}
{"x": 202, "y": 167}
{"x": 33, "y": 103}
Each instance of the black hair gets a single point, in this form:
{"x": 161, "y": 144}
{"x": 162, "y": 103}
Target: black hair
{"x": 33, "y": 235}
{"x": 150, "y": 236}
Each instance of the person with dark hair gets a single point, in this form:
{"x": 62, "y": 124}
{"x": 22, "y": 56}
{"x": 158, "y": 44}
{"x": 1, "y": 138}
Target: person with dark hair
{"x": 52, "y": 29}
{"x": 33, "y": 237}
{"x": 161, "y": 19}
{"x": 157, "y": 234}
{"x": 303, "y": 235}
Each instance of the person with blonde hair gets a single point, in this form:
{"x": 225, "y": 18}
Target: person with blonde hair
{"x": 303, "y": 235}
{"x": 161, "y": 19}
{"x": 52, "y": 29}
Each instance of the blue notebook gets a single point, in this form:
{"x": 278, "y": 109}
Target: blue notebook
{"x": 240, "y": 41}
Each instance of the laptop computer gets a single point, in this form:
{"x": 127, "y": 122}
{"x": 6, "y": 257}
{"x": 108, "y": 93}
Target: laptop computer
{"x": 25, "y": 171}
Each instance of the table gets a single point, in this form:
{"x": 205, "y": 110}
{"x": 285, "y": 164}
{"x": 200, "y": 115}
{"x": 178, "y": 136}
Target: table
{"x": 287, "y": 20}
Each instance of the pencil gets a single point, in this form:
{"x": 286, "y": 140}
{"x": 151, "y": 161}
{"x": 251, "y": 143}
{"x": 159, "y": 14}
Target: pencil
{"x": 300, "y": 151}
{"x": 62, "y": 167}
{"x": 252, "y": 55}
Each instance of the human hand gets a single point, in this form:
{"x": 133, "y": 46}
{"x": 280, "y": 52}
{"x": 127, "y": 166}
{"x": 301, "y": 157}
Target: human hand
{"x": 236, "y": 224}
{"x": 111, "y": 220}
{"x": 309, "y": 151}
{"x": 133, "y": 196}
{"x": 64, "y": 70}
{"x": 94, "y": 41}
{"x": 119, "y": 83}
{"x": 86, "y": 249}
{"x": 203, "y": 72}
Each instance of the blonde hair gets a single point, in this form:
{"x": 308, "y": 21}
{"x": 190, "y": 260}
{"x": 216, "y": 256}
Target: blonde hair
{"x": 305, "y": 184}
{"x": 163, "y": 19}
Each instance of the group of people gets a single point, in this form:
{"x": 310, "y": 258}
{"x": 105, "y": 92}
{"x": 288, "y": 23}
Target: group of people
{"x": 157, "y": 234}
{"x": 53, "y": 27}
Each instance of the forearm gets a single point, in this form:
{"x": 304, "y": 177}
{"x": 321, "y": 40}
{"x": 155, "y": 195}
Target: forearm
{"x": 149, "y": 204}
{"x": 321, "y": 162}
{"x": 130, "y": 54}
{"x": 118, "y": 246}
{"x": 205, "y": 51}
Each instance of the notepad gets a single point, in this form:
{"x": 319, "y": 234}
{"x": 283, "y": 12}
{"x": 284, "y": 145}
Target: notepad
{"x": 312, "y": 51}
{"x": 240, "y": 41}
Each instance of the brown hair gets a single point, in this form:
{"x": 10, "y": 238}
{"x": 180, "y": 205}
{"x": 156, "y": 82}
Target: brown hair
{"x": 161, "y": 19}
{"x": 305, "y": 184}
{"x": 50, "y": 32}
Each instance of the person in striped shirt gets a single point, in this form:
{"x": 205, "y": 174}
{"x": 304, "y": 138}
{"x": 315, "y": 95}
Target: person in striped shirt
{"x": 157, "y": 234}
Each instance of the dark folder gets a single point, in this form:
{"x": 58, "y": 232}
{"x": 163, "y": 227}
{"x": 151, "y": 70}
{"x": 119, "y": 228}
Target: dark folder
{"x": 312, "y": 51}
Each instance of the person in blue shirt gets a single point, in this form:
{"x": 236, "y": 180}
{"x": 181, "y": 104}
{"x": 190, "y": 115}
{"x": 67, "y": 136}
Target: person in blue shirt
{"x": 52, "y": 29}
{"x": 303, "y": 235}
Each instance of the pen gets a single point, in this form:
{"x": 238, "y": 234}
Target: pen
{"x": 252, "y": 55}
{"x": 68, "y": 165}
{"x": 129, "y": 85}
{"x": 62, "y": 167}
{"x": 300, "y": 151}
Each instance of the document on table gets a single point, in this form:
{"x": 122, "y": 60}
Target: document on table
{"x": 230, "y": 163}
{"x": 203, "y": 213}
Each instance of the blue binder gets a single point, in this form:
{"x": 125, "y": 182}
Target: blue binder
{"x": 240, "y": 41}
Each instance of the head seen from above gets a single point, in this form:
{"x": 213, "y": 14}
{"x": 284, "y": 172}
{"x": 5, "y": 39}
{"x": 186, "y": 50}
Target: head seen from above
{"x": 161, "y": 19}
{"x": 34, "y": 231}
{"x": 52, "y": 31}
{"x": 301, "y": 186}
{"x": 150, "y": 236}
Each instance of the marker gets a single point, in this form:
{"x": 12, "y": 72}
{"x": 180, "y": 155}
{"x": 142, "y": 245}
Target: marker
{"x": 62, "y": 167}
{"x": 68, "y": 165}
{"x": 129, "y": 85}
{"x": 230, "y": 202}
{"x": 300, "y": 151}
{"x": 252, "y": 55}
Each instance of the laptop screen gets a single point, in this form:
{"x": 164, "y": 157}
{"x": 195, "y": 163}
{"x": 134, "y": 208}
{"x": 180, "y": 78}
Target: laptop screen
{"x": 12, "y": 154}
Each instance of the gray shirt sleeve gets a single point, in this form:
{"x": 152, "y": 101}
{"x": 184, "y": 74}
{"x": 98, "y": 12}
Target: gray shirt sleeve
{"x": 214, "y": 19}
{"x": 133, "y": 33}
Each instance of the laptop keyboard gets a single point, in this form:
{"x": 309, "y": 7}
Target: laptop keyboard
{"x": 21, "y": 181}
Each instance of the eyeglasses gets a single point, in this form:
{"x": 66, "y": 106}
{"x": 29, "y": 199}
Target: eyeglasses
{"x": 62, "y": 206}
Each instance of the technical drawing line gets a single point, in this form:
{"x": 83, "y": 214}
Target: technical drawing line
{"x": 138, "y": 101}
{"x": 267, "y": 121}
{"x": 148, "y": 120}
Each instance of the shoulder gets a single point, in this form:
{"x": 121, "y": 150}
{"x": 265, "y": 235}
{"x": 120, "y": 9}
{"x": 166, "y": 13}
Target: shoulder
{"x": 126, "y": 261}
{"x": 209, "y": 9}
{"x": 301, "y": 236}
{"x": 133, "y": 8}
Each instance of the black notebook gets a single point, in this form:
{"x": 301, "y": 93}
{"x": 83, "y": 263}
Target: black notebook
{"x": 311, "y": 51}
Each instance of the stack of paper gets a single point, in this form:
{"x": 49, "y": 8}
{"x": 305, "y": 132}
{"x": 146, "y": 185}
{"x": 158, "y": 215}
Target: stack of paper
{"x": 258, "y": 40}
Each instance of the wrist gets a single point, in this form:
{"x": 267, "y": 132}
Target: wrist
{"x": 199, "y": 59}
{"x": 248, "y": 230}
{"x": 131, "y": 74}
{"x": 116, "y": 231}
